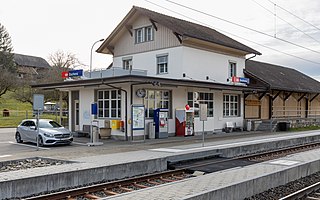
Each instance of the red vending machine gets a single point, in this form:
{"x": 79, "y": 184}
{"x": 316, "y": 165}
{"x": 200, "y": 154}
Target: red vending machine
{"x": 184, "y": 122}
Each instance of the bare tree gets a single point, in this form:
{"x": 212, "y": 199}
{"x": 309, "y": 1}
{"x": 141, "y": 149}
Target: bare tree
{"x": 60, "y": 62}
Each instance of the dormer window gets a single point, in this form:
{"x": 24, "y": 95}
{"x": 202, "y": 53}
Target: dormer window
{"x": 144, "y": 34}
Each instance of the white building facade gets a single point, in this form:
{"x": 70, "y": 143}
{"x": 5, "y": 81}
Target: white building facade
{"x": 170, "y": 60}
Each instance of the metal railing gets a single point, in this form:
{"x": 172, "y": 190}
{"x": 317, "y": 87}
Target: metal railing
{"x": 12, "y": 118}
{"x": 114, "y": 71}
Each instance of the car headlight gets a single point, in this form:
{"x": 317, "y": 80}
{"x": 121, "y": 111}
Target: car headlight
{"x": 50, "y": 135}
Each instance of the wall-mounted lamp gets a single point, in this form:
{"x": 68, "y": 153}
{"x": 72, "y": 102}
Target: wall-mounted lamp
{"x": 184, "y": 75}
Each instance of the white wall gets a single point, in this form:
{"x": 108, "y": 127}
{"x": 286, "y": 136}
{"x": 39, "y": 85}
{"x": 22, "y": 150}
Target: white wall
{"x": 195, "y": 63}
{"x": 86, "y": 98}
{"x": 199, "y": 63}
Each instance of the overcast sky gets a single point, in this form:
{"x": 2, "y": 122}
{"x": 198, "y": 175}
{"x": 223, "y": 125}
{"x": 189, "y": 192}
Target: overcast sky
{"x": 41, "y": 27}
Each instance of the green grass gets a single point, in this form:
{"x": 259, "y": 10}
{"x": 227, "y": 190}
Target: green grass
{"x": 307, "y": 128}
{"x": 18, "y": 111}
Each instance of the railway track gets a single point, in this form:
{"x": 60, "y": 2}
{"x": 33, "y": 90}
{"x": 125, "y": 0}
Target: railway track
{"x": 102, "y": 190}
{"x": 311, "y": 192}
{"x": 116, "y": 187}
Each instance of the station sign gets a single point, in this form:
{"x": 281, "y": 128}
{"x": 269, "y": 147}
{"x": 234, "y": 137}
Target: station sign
{"x": 240, "y": 80}
{"x": 72, "y": 73}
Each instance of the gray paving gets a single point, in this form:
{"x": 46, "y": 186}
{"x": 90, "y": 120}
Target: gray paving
{"x": 115, "y": 158}
{"x": 195, "y": 188}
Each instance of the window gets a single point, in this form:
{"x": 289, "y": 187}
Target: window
{"x": 204, "y": 98}
{"x": 157, "y": 99}
{"x": 144, "y": 34}
{"x": 109, "y": 103}
{"x": 232, "y": 69}
{"x": 148, "y": 33}
{"x": 162, "y": 64}
{"x": 231, "y": 105}
{"x": 139, "y": 35}
{"x": 127, "y": 64}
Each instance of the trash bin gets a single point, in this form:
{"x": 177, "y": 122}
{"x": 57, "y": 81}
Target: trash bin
{"x": 152, "y": 133}
{"x": 283, "y": 126}
{"x": 249, "y": 125}
{"x": 95, "y": 134}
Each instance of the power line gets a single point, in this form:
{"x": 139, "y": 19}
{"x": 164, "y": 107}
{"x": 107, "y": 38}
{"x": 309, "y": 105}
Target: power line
{"x": 294, "y": 15}
{"x": 287, "y": 22}
{"x": 245, "y": 27}
{"x": 314, "y": 62}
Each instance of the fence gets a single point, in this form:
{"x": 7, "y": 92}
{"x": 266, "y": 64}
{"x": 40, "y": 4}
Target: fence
{"x": 12, "y": 118}
{"x": 296, "y": 118}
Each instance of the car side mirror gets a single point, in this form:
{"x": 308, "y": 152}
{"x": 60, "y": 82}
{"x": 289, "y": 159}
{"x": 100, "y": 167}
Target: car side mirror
{"x": 33, "y": 127}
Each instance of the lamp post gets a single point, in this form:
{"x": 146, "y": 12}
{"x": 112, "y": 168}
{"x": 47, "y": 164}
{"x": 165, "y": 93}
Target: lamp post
{"x": 91, "y": 54}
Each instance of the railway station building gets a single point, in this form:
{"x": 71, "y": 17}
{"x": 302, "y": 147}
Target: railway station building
{"x": 163, "y": 62}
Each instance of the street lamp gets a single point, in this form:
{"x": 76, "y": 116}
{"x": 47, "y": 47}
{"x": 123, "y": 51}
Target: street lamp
{"x": 91, "y": 54}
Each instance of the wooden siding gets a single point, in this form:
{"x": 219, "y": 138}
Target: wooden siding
{"x": 252, "y": 107}
{"x": 265, "y": 107}
{"x": 163, "y": 38}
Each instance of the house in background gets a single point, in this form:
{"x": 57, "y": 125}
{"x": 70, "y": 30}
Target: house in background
{"x": 162, "y": 62}
{"x": 29, "y": 66}
{"x": 288, "y": 95}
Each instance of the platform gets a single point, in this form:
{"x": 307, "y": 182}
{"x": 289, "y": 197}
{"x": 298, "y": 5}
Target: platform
{"x": 121, "y": 165}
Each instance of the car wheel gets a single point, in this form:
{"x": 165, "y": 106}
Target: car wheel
{"x": 40, "y": 141}
{"x": 18, "y": 138}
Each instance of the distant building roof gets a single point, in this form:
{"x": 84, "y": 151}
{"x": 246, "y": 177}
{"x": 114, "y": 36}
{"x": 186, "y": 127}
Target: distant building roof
{"x": 30, "y": 61}
{"x": 184, "y": 29}
{"x": 281, "y": 78}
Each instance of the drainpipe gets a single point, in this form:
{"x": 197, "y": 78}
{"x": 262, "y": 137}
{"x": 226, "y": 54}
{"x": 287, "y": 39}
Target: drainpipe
{"x": 126, "y": 108}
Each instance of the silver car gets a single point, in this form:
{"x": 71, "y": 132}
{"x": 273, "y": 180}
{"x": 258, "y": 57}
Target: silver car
{"x": 50, "y": 132}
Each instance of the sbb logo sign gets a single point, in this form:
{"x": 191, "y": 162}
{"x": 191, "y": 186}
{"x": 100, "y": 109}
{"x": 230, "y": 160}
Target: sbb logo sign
{"x": 72, "y": 73}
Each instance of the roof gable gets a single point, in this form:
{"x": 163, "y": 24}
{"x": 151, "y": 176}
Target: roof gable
{"x": 30, "y": 61}
{"x": 281, "y": 78}
{"x": 180, "y": 27}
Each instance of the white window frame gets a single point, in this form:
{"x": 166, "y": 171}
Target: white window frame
{"x": 162, "y": 64}
{"x": 157, "y": 99}
{"x": 204, "y": 98}
{"x": 148, "y": 33}
{"x": 127, "y": 63}
{"x": 231, "y": 105}
{"x": 139, "y": 35}
{"x": 232, "y": 69}
{"x": 109, "y": 105}
{"x": 144, "y": 34}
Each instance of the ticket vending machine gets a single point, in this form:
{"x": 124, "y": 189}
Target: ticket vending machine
{"x": 184, "y": 122}
{"x": 161, "y": 123}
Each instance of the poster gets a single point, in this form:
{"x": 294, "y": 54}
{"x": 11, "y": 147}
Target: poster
{"x": 138, "y": 117}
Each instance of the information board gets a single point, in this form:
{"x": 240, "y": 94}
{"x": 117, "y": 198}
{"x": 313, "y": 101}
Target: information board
{"x": 138, "y": 117}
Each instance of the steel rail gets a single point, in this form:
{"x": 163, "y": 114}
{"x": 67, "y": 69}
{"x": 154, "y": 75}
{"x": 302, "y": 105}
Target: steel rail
{"x": 303, "y": 192}
{"x": 104, "y": 186}
{"x": 122, "y": 183}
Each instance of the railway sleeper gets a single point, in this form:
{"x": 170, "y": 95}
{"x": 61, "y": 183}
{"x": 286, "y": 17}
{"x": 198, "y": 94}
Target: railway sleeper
{"x": 109, "y": 192}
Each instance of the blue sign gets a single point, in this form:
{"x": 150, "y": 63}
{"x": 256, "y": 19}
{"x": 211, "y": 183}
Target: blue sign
{"x": 94, "y": 109}
{"x": 74, "y": 73}
{"x": 244, "y": 80}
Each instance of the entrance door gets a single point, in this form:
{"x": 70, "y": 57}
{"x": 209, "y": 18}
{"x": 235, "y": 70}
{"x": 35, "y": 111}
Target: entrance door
{"x": 76, "y": 115}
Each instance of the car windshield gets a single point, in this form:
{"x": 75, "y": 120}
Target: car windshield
{"x": 49, "y": 124}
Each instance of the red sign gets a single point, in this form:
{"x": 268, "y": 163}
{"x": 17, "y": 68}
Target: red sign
{"x": 65, "y": 74}
{"x": 235, "y": 79}
{"x": 187, "y": 107}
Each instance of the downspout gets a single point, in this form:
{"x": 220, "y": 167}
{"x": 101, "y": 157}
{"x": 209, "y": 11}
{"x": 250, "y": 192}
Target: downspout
{"x": 126, "y": 108}
{"x": 131, "y": 99}
{"x": 244, "y": 99}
